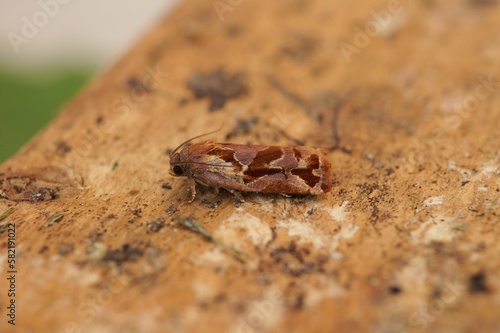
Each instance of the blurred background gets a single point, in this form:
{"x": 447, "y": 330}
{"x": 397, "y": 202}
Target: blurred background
{"x": 50, "y": 48}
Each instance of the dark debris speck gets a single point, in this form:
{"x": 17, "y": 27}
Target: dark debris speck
{"x": 211, "y": 204}
{"x": 156, "y": 225}
{"x": 311, "y": 211}
{"x": 218, "y": 86}
{"x": 65, "y": 249}
{"x": 43, "y": 249}
{"x": 95, "y": 236}
{"x": 124, "y": 254}
{"x": 300, "y": 48}
{"x": 43, "y": 194}
{"x": 394, "y": 290}
{"x": 299, "y": 302}
{"x": 136, "y": 86}
{"x": 477, "y": 283}
{"x": 171, "y": 210}
{"x": 242, "y": 127}
{"x": 62, "y": 147}
{"x": 296, "y": 261}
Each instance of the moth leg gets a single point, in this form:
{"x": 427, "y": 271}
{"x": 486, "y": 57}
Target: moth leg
{"x": 192, "y": 190}
{"x": 238, "y": 196}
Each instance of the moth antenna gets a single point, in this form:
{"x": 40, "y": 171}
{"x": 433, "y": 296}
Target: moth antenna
{"x": 193, "y": 138}
{"x": 202, "y": 163}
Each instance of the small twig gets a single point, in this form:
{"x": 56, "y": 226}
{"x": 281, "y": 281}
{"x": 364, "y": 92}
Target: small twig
{"x": 53, "y": 219}
{"x": 6, "y": 213}
{"x": 192, "y": 224}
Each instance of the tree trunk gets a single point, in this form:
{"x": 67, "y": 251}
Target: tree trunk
{"x": 403, "y": 94}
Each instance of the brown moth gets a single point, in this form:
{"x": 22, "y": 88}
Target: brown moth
{"x": 253, "y": 168}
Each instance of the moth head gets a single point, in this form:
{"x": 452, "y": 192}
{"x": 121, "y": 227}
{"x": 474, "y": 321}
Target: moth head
{"x": 177, "y": 164}
{"x": 176, "y": 167}
{"x": 177, "y": 170}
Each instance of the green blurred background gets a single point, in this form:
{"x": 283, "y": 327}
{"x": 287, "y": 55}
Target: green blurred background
{"x": 29, "y": 100}
{"x": 75, "y": 41}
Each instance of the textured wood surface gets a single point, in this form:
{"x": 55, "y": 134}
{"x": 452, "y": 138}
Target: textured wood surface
{"x": 406, "y": 96}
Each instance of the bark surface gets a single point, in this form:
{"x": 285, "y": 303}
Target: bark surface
{"x": 405, "y": 95}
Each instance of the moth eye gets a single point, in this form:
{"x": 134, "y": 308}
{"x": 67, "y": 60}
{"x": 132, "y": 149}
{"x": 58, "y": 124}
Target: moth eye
{"x": 177, "y": 170}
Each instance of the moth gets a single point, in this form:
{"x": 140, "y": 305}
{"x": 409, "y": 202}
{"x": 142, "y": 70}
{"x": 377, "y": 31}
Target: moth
{"x": 253, "y": 168}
